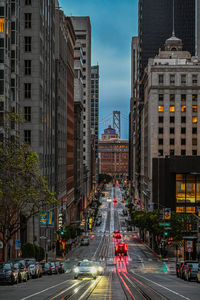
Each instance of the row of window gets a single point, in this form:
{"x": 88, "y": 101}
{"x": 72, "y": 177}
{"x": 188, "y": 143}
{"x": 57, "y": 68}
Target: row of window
{"x": 172, "y": 119}
{"x": 172, "y": 79}
{"x": 172, "y": 152}
{"x": 172, "y": 130}
{"x": 172, "y": 108}
{"x": 183, "y": 141}
{"x": 172, "y": 97}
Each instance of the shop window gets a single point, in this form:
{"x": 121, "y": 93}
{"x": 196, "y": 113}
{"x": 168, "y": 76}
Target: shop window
{"x": 180, "y": 188}
{"x": 190, "y": 188}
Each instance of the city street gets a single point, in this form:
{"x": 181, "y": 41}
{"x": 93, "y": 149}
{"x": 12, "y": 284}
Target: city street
{"x": 140, "y": 275}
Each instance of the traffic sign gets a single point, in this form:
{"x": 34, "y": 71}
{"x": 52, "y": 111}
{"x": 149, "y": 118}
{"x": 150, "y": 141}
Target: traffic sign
{"x": 17, "y": 244}
{"x": 164, "y": 224}
{"x": 189, "y": 246}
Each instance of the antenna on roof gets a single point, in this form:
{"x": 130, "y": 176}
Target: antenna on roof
{"x": 173, "y": 32}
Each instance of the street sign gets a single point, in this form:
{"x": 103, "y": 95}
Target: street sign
{"x": 167, "y": 213}
{"x": 1, "y": 245}
{"x": 189, "y": 246}
{"x": 164, "y": 224}
{"x": 17, "y": 244}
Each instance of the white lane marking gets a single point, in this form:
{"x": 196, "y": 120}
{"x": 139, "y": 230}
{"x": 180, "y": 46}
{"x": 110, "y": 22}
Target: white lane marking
{"x": 141, "y": 261}
{"x": 162, "y": 286}
{"x": 30, "y": 296}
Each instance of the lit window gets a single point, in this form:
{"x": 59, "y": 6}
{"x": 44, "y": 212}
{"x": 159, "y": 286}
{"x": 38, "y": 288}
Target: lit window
{"x": 172, "y": 108}
{"x": 1, "y": 24}
{"x": 194, "y": 119}
{"x": 183, "y": 108}
{"x": 160, "y": 108}
{"x": 194, "y": 108}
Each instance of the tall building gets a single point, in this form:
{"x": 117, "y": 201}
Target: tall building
{"x": 113, "y": 154}
{"x": 37, "y": 96}
{"x": 82, "y": 29}
{"x": 95, "y": 115}
{"x": 170, "y": 116}
{"x": 198, "y": 27}
{"x": 71, "y": 205}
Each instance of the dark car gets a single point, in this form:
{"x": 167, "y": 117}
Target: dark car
{"x": 8, "y": 273}
{"x": 22, "y": 274}
{"x": 23, "y": 262}
{"x": 60, "y": 267}
{"x": 46, "y": 268}
{"x": 34, "y": 270}
{"x": 54, "y": 268}
{"x": 191, "y": 272}
{"x": 121, "y": 248}
{"x": 183, "y": 268}
{"x": 85, "y": 241}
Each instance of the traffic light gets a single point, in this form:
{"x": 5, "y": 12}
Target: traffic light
{"x": 169, "y": 243}
{"x": 166, "y": 233}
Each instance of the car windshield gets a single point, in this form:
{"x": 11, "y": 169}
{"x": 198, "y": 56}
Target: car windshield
{"x": 46, "y": 265}
{"x": 52, "y": 264}
{"x": 85, "y": 264}
{"x": 195, "y": 266}
{"x": 5, "y": 266}
{"x": 16, "y": 266}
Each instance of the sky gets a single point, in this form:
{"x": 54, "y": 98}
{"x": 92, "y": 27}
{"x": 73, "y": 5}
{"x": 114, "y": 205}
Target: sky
{"x": 113, "y": 24}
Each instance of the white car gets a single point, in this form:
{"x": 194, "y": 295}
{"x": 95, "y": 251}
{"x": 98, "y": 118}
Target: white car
{"x": 85, "y": 268}
{"x": 109, "y": 199}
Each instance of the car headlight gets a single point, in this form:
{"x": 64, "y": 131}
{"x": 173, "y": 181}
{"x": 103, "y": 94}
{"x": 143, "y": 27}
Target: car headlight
{"x": 93, "y": 270}
{"x": 100, "y": 269}
{"x": 76, "y": 270}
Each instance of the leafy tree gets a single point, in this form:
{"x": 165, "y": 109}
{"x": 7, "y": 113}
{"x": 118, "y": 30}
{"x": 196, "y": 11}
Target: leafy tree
{"x": 23, "y": 191}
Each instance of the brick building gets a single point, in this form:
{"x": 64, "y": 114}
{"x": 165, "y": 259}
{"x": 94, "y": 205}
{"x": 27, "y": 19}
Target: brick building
{"x": 114, "y": 154}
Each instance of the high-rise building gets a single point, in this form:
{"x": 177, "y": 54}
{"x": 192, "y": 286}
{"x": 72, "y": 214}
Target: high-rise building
{"x": 170, "y": 116}
{"x": 82, "y": 29}
{"x": 198, "y": 27}
{"x": 95, "y": 114}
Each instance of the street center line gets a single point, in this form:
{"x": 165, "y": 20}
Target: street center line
{"x": 162, "y": 286}
{"x": 30, "y": 296}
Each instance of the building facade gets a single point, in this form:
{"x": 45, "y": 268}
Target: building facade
{"x": 82, "y": 29}
{"x": 114, "y": 153}
{"x": 95, "y": 117}
{"x": 171, "y": 115}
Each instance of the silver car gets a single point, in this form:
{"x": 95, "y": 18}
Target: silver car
{"x": 85, "y": 268}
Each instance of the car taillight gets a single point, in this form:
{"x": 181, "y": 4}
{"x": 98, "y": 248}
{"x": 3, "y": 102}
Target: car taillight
{"x": 50, "y": 268}
{"x": 190, "y": 270}
{"x": 116, "y": 248}
{"x": 126, "y": 247}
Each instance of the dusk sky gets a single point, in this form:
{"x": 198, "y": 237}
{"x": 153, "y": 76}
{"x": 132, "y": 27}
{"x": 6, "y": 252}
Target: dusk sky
{"x": 113, "y": 23}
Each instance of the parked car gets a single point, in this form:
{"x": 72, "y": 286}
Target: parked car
{"x": 34, "y": 270}
{"x": 54, "y": 268}
{"x": 22, "y": 274}
{"x": 23, "y": 262}
{"x": 60, "y": 267}
{"x": 198, "y": 274}
{"x": 46, "y": 268}
{"x": 40, "y": 269}
{"x": 178, "y": 266}
{"x": 8, "y": 273}
{"x": 191, "y": 272}
{"x": 85, "y": 241}
{"x": 183, "y": 268}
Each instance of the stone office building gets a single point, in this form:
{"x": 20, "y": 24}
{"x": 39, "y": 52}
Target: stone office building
{"x": 171, "y": 113}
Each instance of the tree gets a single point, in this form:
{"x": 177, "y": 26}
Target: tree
{"x": 23, "y": 191}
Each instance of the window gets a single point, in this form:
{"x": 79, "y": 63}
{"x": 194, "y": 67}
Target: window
{"x": 183, "y": 130}
{"x": 172, "y": 152}
{"x": 194, "y": 130}
{"x": 194, "y": 79}
{"x": 183, "y": 152}
{"x": 27, "y": 67}
{"x": 183, "y": 141}
{"x": 27, "y": 136}
{"x": 183, "y": 79}
{"x": 194, "y": 120}
{"x": 27, "y": 18}
{"x": 160, "y": 79}
{"x": 183, "y": 108}
{"x": 183, "y": 97}
{"x": 194, "y": 142}
{"x": 1, "y": 11}
{"x": 160, "y": 152}
{"x": 160, "y": 97}
{"x": 183, "y": 119}
{"x": 27, "y": 90}
{"x": 160, "y": 130}
{"x": 160, "y": 119}
{"x": 27, "y": 113}
{"x": 1, "y": 106}
{"x": 1, "y": 56}
{"x": 171, "y": 130}
{"x": 27, "y": 2}
{"x": 160, "y": 141}
{"x": 172, "y": 79}
{"x": 194, "y": 152}
{"x": 27, "y": 43}
{"x": 171, "y": 119}
{"x": 172, "y": 108}
{"x": 194, "y": 97}
{"x": 1, "y": 24}
{"x": 171, "y": 141}
{"x": 194, "y": 108}
{"x": 172, "y": 97}
{"x": 1, "y": 119}
{"x": 160, "y": 108}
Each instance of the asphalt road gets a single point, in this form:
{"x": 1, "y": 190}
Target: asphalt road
{"x": 138, "y": 276}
